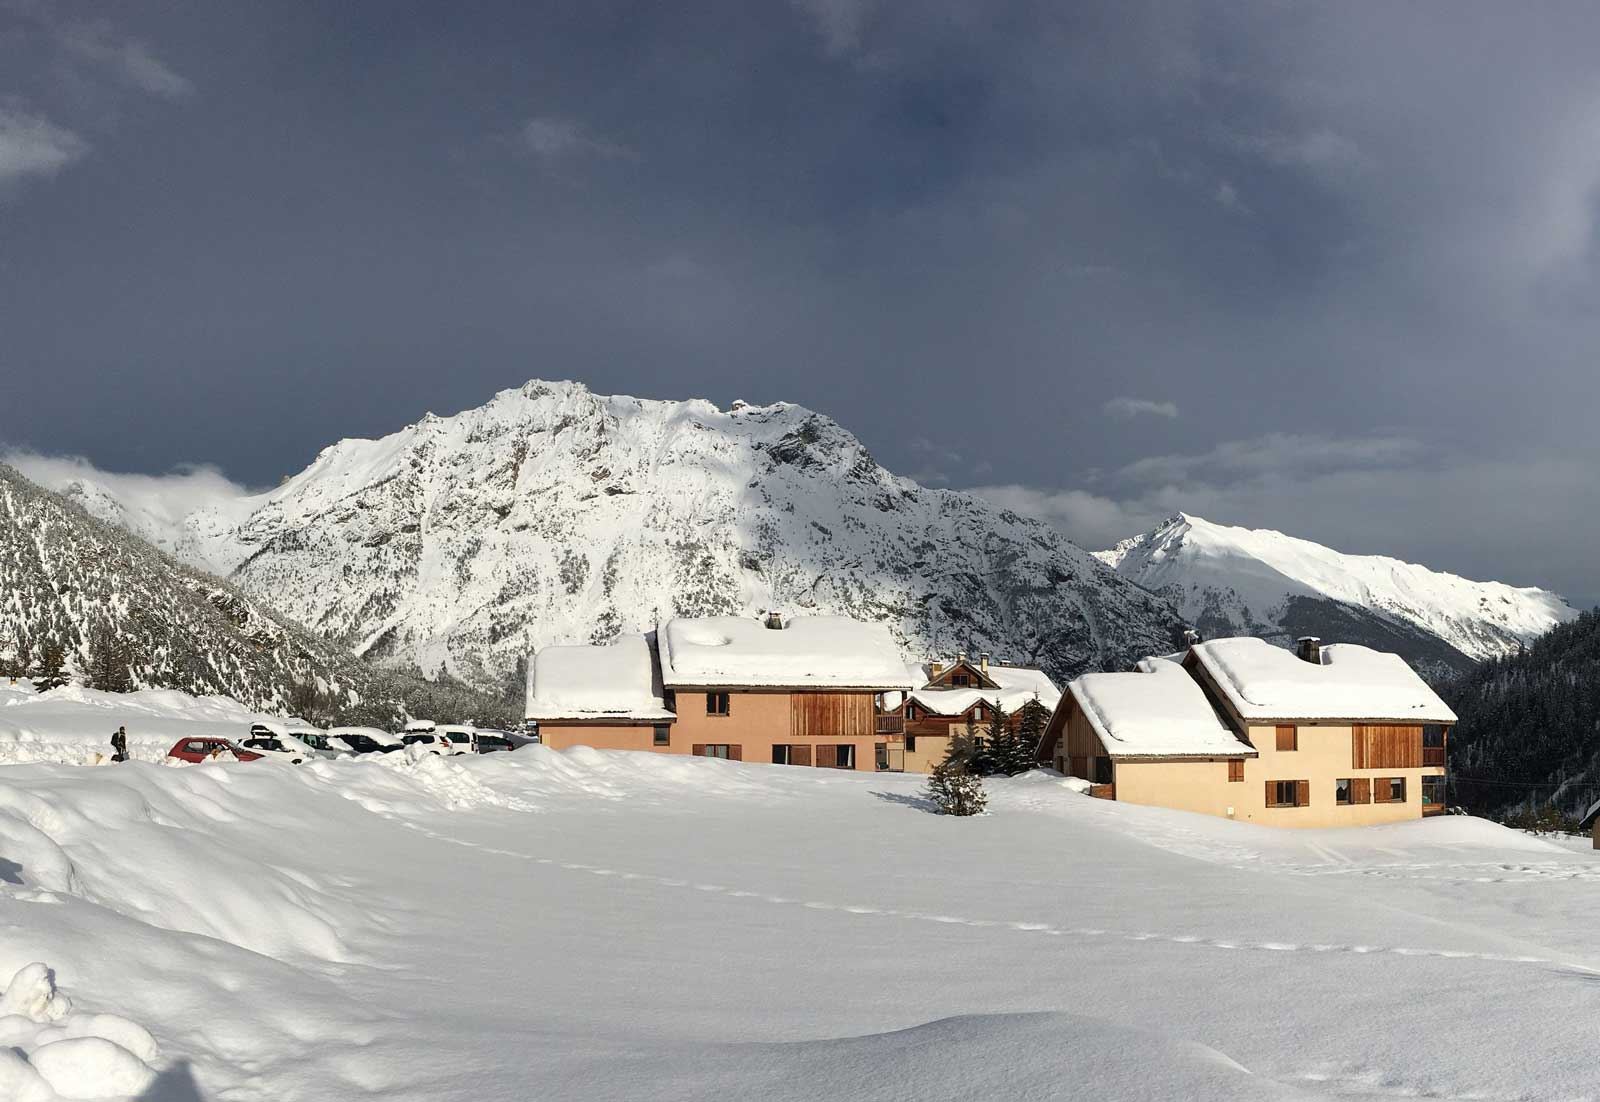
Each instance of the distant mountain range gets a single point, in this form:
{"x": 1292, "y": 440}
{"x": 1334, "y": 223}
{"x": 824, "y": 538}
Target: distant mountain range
{"x": 552, "y": 514}
{"x": 1241, "y": 581}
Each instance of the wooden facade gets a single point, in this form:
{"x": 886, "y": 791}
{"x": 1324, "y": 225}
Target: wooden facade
{"x": 1386, "y": 747}
{"x": 845, "y": 715}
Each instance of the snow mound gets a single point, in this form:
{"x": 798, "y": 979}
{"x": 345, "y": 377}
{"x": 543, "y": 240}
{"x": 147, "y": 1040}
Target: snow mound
{"x": 48, "y": 1051}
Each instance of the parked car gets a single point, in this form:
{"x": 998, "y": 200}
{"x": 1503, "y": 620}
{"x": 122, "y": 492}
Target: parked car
{"x": 279, "y": 748}
{"x": 316, "y": 741}
{"x": 204, "y": 749}
{"x": 437, "y": 744}
{"x": 490, "y": 742}
{"x": 364, "y": 740}
{"x": 462, "y": 740}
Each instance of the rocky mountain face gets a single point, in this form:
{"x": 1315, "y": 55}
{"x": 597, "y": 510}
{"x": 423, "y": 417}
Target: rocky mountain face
{"x": 551, "y": 514}
{"x": 1239, "y": 581}
{"x": 72, "y": 580}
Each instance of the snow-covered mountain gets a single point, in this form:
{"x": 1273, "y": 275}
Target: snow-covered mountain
{"x": 70, "y": 579}
{"x": 1229, "y": 580}
{"x": 551, "y": 514}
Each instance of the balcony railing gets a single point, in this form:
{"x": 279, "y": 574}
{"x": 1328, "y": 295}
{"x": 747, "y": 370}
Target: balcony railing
{"x": 1433, "y": 755}
{"x": 891, "y": 725}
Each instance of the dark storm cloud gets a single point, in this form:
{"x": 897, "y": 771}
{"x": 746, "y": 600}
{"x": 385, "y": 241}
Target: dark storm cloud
{"x": 1354, "y": 245}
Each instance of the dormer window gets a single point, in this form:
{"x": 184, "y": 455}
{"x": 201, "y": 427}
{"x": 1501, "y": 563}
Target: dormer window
{"x": 960, "y": 680}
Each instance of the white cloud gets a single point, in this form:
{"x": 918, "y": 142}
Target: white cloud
{"x": 1134, "y": 407}
{"x": 1090, "y": 521}
{"x": 130, "y": 60}
{"x": 33, "y": 146}
{"x": 1282, "y": 453}
{"x": 839, "y": 22}
{"x": 553, "y": 139}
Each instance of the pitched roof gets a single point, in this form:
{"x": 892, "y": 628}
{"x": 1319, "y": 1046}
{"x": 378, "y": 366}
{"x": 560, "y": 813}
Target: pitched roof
{"x": 1015, "y": 686}
{"x": 829, "y": 652}
{"x": 1263, "y": 682}
{"x": 1159, "y": 711}
{"x": 616, "y": 681}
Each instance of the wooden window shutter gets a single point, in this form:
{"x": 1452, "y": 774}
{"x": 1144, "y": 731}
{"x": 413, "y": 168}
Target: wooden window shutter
{"x": 1288, "y": 737}
{"x": 699, "y": 749}
{"x": 827, "y": 756}
{"x": 736, "y": 753}
{"x": 1302, "y": 795}
{"x": 800, "y": 755}
{"x": 1272, "y": 793}
{"x": 1361, "y": 791}
{"x": 1235, "y": 769}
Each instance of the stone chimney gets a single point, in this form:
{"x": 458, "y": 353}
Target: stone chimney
{"x": 1190, "y": 637}
{"x": 775, "y": 620}
{"x": 1308, "y": 648}
{"x": 983, "y": 662}
{"x": 935, "y": 668}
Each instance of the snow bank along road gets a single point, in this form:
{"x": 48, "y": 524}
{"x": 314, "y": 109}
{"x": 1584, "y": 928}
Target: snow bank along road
{"x": 541, "y": 925}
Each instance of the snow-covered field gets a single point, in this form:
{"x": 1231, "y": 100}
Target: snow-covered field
{"x": 603, "y": 925}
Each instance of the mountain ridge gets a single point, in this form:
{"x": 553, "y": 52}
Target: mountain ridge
{"x": 1229, "y": 579}
{"x": 551, "y": 514}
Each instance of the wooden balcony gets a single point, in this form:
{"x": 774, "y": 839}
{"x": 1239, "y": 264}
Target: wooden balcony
{"x": 1432, "y": 755}
{"x": 891, "y": 724}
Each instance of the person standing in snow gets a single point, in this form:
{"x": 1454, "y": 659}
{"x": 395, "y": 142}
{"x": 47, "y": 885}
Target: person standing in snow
{"x": 119, "y": 745}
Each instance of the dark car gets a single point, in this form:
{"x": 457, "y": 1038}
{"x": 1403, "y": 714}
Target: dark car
{"x": 493, "y": 742}
{"x": 201, "y": 749}
{"x": 363, "y": 744}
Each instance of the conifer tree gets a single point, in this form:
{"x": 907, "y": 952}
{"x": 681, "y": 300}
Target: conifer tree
{"x": 52, "y": 666}
{"x": 1000, "y": 745}
{"x": 956, "y": 790}
{"x": 109, "y": 661}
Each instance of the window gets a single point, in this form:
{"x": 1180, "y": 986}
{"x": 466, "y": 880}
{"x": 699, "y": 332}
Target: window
{"x": 1389, "y": 790}
{"x": 663, "y": 735}
{"x": 844, "y": 756}
{"x": 780, "y": 755}
{"x": 1288, "y": 793}
{"x": 1235, "y": 769}
{"x": 716, "y": 750}
{"x": 717, "y": 704}
{"x": 977, "y": 713}
{"x": 1342, "y": 792}
{"x": 911, "y": 744}
{"x": 1288, "y": 738}
{"x": 1102, "y": 771}
{"x": 960, "y": 680}
{"x": 880, "y": 756}
{"x": 1432, "y": 735}
{"x": 1433, "y": 792}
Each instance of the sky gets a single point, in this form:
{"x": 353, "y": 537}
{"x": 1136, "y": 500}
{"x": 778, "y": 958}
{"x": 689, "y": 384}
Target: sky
{"x": 1329, "y": 269}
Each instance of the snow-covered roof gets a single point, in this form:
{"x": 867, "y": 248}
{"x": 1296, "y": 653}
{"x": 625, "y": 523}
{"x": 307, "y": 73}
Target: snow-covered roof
{"x": 616, "y": 681}
{"x": 829, "y": 652}
{"x": 1017, "y": 686}
{"x": 1263, "y": 682}
{"x": 1157, "y": 712}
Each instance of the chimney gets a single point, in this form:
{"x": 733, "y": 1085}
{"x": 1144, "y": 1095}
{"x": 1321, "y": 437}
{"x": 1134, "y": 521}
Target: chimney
{"x": 983, "y": 662}
{"x": 935, "y": 668}
{"x": 961, "y": 656}
{"x": 1308, "y": 648}
{"x": 1190, "y": 637}
{"x": 775, "y": 620}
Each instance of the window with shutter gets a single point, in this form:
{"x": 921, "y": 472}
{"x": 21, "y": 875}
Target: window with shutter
{"x": 735, "y": 753}
{"x": 1288, "y": 738}
{"x": 800, "y": 755}
{"x": 1302, "y": 796}
{"x": 1361, "y": 790}
{"x": 1235, "y": 769}
{"x": 825, "y": 756}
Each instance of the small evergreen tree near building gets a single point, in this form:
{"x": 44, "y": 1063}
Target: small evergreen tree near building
{"x": 1000, "y": 745}
{"x": 955, "y": 790}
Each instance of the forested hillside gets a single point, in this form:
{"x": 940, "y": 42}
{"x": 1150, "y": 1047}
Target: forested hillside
{"x": 1529, "y": 734}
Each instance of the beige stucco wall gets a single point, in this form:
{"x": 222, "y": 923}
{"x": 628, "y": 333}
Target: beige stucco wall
{"x": 561, "y": 737}
{"x": 755, "y": 723}
{"x": 1323, "y": 757}
{"x": 930, "y": 751}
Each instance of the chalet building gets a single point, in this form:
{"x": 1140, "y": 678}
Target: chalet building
{"x": 1336, "y": 735}
{"x": 819, "y": 691}
{"x": 953, "y": 693}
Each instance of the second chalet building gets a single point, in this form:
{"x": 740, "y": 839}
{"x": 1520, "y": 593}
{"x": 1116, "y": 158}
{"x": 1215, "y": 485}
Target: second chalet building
{"x": 1336, "y": 735}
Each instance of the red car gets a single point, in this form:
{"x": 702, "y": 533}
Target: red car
{"x": 200, "y": 749}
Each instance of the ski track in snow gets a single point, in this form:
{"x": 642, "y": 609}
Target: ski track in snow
{"x": 1044, "y": 929}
